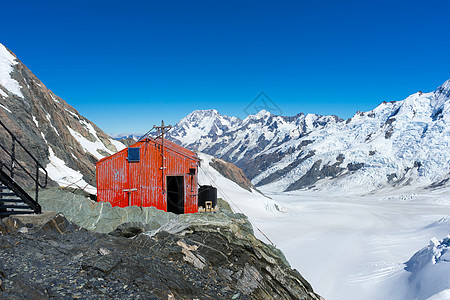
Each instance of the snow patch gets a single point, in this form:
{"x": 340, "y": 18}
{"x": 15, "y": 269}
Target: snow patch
{"x": 119, "y": 146}
{"x": 88, "y": 146}
{"x": 5, "y": 108}
{"x": 54, "y": 99}
{"x": 2, "y": 93}
{"x": 43, "y": 136}
{"x": 73, "y": 114}
{"x": 49, "y": 118}
{"x": 36, "y": 121}
{"x": 58, "y": 171}
{"x": 7, "y": 61}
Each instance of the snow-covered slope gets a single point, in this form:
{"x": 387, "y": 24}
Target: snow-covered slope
{"x": 239, "y": 198}
{"x": 430, "y": 271}
{"x": 64, "y": 141}
{"x": 397, "y": 143}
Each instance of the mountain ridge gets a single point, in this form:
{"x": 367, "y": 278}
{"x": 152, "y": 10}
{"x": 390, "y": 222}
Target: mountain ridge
{"x": 397, "y": 143}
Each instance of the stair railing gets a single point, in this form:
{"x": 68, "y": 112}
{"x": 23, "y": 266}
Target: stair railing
{"x": 11, "y": 153}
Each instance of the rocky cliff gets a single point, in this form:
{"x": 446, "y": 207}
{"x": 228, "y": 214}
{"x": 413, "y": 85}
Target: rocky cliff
{"x": 64, "y": 142}
{"x": 230, "y": 171}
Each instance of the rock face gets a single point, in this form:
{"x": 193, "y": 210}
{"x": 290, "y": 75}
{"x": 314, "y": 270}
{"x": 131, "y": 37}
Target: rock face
{"x": 193, "y": 256}
{"x": 99, "y": 216}
{"x": 64, "y": 142}
{"x": 230, "y": 171}
{"x": 396, "y": 144}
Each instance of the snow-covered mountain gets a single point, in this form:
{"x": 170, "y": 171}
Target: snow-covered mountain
{"x": 65, "y": 142}
{"x": 397, "y": 143}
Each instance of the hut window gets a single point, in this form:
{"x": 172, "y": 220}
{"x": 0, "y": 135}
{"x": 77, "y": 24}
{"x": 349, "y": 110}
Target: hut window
{"x": 134, "y": 154}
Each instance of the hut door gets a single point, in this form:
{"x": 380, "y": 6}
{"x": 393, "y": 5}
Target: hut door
{"x": 175, "y": 194}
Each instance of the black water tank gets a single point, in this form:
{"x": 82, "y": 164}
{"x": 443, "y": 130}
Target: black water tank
{"x": 207, "y": 193}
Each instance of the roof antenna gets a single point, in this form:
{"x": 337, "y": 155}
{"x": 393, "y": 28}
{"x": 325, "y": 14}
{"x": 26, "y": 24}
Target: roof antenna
{"x": 161, "y": 130}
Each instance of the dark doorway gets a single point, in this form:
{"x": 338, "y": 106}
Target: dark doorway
{"x": 175, "y": 194}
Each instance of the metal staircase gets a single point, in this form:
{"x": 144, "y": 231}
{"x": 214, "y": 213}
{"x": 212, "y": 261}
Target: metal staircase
{"x": 14, "y": 199}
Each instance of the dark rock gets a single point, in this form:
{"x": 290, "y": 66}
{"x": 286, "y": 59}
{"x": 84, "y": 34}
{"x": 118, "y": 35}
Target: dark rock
{"x": 131, "y": 229}
{"x": 391, "y": 177}
{"x": 279, "y": 173}
{"x": 316, "y": 173}
{"x": 105, "y": 264}
{"x": 195, "y": 256}
{"x": 10, "y": 225}
{"x": 440, "y": 183}
{"x": 389, "y": 132}
{"x": 354, "y": 166}
{"x": 308, "y": 179}
{"x": 3, "y": 228}
{"x": 5, "y": 242}
{"x": 58, "y": 224}
{"x": 230, "y": 171}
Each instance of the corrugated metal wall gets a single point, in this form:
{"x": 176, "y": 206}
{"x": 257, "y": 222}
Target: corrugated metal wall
{"x": 144, "y": 180}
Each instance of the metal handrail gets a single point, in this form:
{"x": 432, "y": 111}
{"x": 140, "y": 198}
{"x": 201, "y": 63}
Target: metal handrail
{"x": 14, "y": 162}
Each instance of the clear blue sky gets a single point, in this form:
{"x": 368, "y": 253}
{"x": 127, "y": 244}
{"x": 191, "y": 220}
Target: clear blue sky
{"x": 128, "y": 64}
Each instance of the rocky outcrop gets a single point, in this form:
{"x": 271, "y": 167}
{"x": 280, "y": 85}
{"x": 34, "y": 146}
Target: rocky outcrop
{"x": 192, "y": 256}
{"x": 127, "y": 141}
{"x": 230, "y": 171}
{"x": 99, "y": 216}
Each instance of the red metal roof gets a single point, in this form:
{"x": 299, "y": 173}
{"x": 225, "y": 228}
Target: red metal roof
{"x": 167, "y": 144}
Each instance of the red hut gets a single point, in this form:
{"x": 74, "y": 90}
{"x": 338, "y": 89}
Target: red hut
{"x": 152, "y": 172}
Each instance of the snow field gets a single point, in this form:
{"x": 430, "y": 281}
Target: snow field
{"x": 352, "y": 245}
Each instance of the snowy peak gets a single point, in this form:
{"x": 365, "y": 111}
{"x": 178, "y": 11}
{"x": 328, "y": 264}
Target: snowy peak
{"x": 441, "y": 97}
{"x": 202, "y": 123}
{"x": 443, "y": 90}
{"x": 417, "y": 105}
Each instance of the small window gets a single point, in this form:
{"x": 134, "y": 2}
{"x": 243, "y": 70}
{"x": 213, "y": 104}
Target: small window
{"x": 134, "y": 154}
